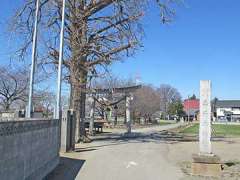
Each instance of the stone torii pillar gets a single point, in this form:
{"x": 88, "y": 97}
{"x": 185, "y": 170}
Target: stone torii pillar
{"x": 92, "y": 110}
{"x": 128, "y": 113}
{"x": 115, "y": 114}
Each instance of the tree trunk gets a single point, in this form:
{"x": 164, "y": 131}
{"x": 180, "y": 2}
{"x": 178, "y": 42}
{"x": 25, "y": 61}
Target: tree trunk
{"x": 78, "y": 71}
{"x": 7, "y": 107}
{"x": 78, "y": 104}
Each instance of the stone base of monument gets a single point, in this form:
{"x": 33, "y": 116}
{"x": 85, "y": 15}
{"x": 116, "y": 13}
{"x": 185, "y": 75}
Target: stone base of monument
{"x": 206, "y": 165}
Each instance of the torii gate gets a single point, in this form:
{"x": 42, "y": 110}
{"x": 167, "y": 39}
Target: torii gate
{"x": 127, "y": 91}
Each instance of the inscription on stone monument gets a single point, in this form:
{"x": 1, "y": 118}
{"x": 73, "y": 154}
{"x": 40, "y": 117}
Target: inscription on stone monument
{"x": 205, "y": 118}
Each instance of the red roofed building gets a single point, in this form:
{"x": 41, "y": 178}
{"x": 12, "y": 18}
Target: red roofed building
{"x": 191, "y": 108}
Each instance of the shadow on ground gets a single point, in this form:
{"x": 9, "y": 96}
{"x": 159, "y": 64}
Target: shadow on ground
{"x": 84, "y": 149}
{"x": 156, "y": 137}
{"x": 66, "y": 170}
{"x": 164, "y": 136}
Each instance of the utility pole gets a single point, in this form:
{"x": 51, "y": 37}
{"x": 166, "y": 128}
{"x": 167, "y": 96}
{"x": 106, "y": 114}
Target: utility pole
{"x": 59, "y": 81}
{"x": 34, "y": 47}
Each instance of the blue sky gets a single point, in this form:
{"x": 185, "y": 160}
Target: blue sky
{"x": 203, "y": 42}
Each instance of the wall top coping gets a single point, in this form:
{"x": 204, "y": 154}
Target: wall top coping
{"x": 8, "y": 128}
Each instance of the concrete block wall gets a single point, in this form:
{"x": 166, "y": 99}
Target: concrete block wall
{"x": 28, "y": 149}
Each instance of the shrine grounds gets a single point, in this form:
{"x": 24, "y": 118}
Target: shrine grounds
{"x": 153, "y": 153}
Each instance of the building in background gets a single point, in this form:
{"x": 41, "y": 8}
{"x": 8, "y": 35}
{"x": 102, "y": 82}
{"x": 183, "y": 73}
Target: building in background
{"x": 191, "y": 108}
{"x": 227, "y": 110}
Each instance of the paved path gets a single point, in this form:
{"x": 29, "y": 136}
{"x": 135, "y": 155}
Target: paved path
{"x": 116, "y": 157}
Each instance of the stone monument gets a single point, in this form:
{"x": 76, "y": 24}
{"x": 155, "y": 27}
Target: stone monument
{"x": 205, "y": 118}
{"x": 205, "y": 163}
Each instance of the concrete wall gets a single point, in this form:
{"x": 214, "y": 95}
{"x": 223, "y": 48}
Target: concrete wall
{"x": 28, "y": 149}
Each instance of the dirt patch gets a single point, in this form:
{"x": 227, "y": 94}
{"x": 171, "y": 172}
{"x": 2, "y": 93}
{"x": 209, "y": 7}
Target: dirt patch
{"x": 231, "y": 171}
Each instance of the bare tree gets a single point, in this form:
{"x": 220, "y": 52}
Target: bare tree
{"x": 146, "y": 102}
{"x": 46, "y": 100}
{"x": 98, "y": 32}
{"x": 13, "y": 85}
{"x": 167, "y": 95}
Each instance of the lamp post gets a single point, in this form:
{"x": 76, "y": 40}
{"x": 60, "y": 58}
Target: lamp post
{"x": 59, "y": 81}
{"x": 34, "y": 47}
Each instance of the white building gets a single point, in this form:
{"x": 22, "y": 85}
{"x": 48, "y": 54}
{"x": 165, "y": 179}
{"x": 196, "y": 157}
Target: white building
{"x": 228, "y": 110}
